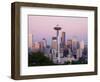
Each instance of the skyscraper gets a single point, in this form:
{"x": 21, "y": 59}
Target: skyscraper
{"x": 74, "y": 47}
{"x": 81, "y": 48}
{"x": 36, "y": 46}
{"x": 54, "y": 43}
{"x": 44, "y": 42}
{"x": 41, "y": 46}
{"x": 63, "y": 39}
{"x": 74, "y": 44}
{"x": 69, "y": 44}
{"x": 30, "y": 41}
{"x": 82, "y": 44}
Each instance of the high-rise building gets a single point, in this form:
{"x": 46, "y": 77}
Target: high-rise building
{"x": 81, "y": 48}
{"x": 63, "y": 39}
{"x": 69, "y": 44}
{"x": 74, "y": 47}
{"x": 82, "y": 44}
{"x": 30, "y": 41}
{"x": 44, "y": 42}
{"x": 36, "y": 47}
{"x": 74, "y": 44}
{"x": 78, "y": 53}
{"x": 78, "y": 44}
{"x": 41, "y": 46}
{"x": 54, "y": 43}
{"x": 54, "y": 48}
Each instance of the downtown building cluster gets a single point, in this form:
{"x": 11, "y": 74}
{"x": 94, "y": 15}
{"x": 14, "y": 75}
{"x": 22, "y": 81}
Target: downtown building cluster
{"x": 60, "y": 50}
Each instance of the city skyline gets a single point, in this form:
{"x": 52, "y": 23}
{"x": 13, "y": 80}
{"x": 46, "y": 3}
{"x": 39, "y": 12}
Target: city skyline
{"x": 60, "y": 51}
{"x": 54, "y": 44}
{"x": 44, "y": 27}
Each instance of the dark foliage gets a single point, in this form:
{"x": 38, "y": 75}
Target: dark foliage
{"x": 38, "y": 59}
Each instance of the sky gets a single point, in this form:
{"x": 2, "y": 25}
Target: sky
{"x": 43, "y": 27}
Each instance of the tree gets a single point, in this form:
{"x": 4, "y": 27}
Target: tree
{"x": 38, "y": 59}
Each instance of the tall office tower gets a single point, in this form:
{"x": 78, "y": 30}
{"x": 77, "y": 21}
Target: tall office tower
{"x": 78, "y": 50}
{"x": 54, "y": 43}
{"x": 44, "y": 42}
{"x": 82, "y": 44}
{"x": 63, "y": 39}
{"x": 54, "y": 48}
{"x": 36, "y": 46}
{"x": 74, "y": 43}
{"x": 30, "y": 42}
{"x": 57, "y": 28}
{"x": 69, "y": 44}
{"x": 41, "y": 46}
{"x": 81, "y": 47}
{"x": 74, "y": 47}
{"x": 78, "y": 44}
{"x": 78, "y": 53}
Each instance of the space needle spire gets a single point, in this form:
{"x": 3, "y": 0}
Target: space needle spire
{"x": 57, "y": 28}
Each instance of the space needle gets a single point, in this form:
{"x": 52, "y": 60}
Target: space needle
{"x": 57, "y": 28}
